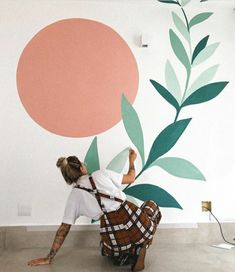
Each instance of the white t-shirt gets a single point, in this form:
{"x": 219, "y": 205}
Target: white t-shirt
{"x": 83, "y": 203}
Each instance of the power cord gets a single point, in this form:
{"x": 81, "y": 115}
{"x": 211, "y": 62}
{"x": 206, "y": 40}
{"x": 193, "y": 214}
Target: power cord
{"x": 221, "y": 231}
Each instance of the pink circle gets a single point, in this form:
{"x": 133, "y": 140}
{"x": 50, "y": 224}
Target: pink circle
{"x": 71, "y": 75}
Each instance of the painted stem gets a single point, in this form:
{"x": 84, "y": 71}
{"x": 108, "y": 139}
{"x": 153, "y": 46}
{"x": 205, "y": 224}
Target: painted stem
{"x": 135, "y": 178}
{"x": 190, "y": 58}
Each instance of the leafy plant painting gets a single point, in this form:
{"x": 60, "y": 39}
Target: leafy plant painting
{"x": 201, "y": 90}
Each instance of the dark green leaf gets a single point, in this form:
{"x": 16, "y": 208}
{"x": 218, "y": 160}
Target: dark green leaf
{"x": 168, "y": 1}
{"x": 92, "y": 158}
{"x": 152, "y": 192}
{"x": 205, "y": 93}
{"x": 200, "y": 46}
{"x": 179, "y": 50}
{"x": 166, "y": 140}
{"x": 165, "y": 94}
{"x": 199, "y": 18}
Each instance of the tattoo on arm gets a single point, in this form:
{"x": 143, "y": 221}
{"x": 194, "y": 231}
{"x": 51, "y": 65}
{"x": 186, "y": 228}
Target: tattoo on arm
{"x": 59, "y": 239}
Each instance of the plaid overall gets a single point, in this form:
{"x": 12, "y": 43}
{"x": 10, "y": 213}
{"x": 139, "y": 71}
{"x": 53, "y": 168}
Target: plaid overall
{"x": 126, "y": 227}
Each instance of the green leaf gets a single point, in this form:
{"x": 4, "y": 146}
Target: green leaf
{"x": 179, "y": 50}
{"x": 166, "y": 140}
{"x": 205, "y": 53}
{"x": 151, "y": 192}
{"x": 199, "y": 18}
{"x": 203, "y": 79}
{"x": 199, "y": 47}
{"x": 179, "y": 167}
{"x": 168, "y": 1}
{"x": 172, "y": 82}
{"x": 118, "y": 162}
{"x": 133, "y": 127}
{"x": 184, "y": 2}
{"x": 180, "y": 25}
{"x": 165, "y": 94}
{"x": 205, "y": 93}
{"x": 92, "y": 158}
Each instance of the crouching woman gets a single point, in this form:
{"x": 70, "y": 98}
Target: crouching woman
{"x": 126, "y": 230}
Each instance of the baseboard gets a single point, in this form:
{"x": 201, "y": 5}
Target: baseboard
{"x": 88, "y": 235}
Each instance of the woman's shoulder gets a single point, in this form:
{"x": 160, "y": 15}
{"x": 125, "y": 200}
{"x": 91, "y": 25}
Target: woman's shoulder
{"x": 101, "y": 172}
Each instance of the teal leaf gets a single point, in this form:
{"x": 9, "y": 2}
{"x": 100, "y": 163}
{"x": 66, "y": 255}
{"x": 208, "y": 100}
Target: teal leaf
{"x": 152, "y": 192}
{"x": 94, "y": 221}
{"x": 203, "y": 79}
{"x": 199, "y": 47}
{"x": 118, "y": 162}
{"x": 205, "y": 93}
{"x": 165, "y": 94}
{"x": 180, "y": 25}
{"x": 92, "y": 158}
{"x": 133, "y": 127}
{"x": 168, "y": 1}
{"x": 172, "y": 82}
{"x": 184, "y": 2}
{"x": 205, "y": 53}
{"x": 179, "y": 50}
{"x": 179, "y": 167}
{"x": 166, "y": 140}
{"x": 199, "y": 18}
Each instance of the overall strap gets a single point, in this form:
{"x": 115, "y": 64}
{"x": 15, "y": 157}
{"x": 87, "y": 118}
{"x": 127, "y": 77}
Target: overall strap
{"x": 98, "y": 194}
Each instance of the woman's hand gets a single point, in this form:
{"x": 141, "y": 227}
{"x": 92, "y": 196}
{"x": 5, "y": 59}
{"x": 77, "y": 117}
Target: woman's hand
{"x": 40, "y": 261}
{"x": 132, "y": 155}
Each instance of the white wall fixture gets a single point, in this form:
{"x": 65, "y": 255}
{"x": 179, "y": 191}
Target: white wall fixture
{"x": 144, "y": 40}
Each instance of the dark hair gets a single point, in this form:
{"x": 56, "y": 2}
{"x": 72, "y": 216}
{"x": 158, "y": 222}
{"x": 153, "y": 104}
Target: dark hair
{"x": 70, "y": 168}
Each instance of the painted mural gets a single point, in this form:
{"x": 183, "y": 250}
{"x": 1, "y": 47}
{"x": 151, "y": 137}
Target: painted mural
{"x": 45, "y": 94}
{"x": 71, "y": 74}
{"x": 201, "y": 90}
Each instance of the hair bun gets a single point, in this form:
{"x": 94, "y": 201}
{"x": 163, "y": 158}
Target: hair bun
{"x": 60, "y": 161}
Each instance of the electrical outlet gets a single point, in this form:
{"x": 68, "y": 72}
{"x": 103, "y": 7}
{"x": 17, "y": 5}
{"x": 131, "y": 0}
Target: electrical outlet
{"x": 206, "y": 206}
{"x": 24, "y": 209}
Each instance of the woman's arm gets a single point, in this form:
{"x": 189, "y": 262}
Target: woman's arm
{"x": 58, "y": 241}
{"x": 130, "y": 176}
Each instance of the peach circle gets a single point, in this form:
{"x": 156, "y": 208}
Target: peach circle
{"x": 71, "y": 75}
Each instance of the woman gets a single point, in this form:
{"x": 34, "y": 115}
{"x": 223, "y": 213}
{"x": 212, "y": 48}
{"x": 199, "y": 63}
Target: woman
{"x": 125, "y": 229}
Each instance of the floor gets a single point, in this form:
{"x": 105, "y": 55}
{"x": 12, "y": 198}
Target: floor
{"x": 160, "y": 258}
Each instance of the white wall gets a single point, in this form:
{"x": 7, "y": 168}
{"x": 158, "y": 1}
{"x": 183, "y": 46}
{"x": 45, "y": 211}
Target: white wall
{"x": 28, "y": 152}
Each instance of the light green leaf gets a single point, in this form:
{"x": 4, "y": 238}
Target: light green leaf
{"x": 184, "y": 2}
{"x": 199, "y": 18}
{"x": 179, "y": 167}
{"x": 172, "y": 82}
{"x": 205, "y": 53}
{"x": 203, "y": 79}
{"x": 180, "y": 25}
{"x": 179, "y": 50}
{"x": 151, "y": 192}
{"x": 118, "y": 162}
{"x": 92, "y": 158}
{"x": 133, "y": 127}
